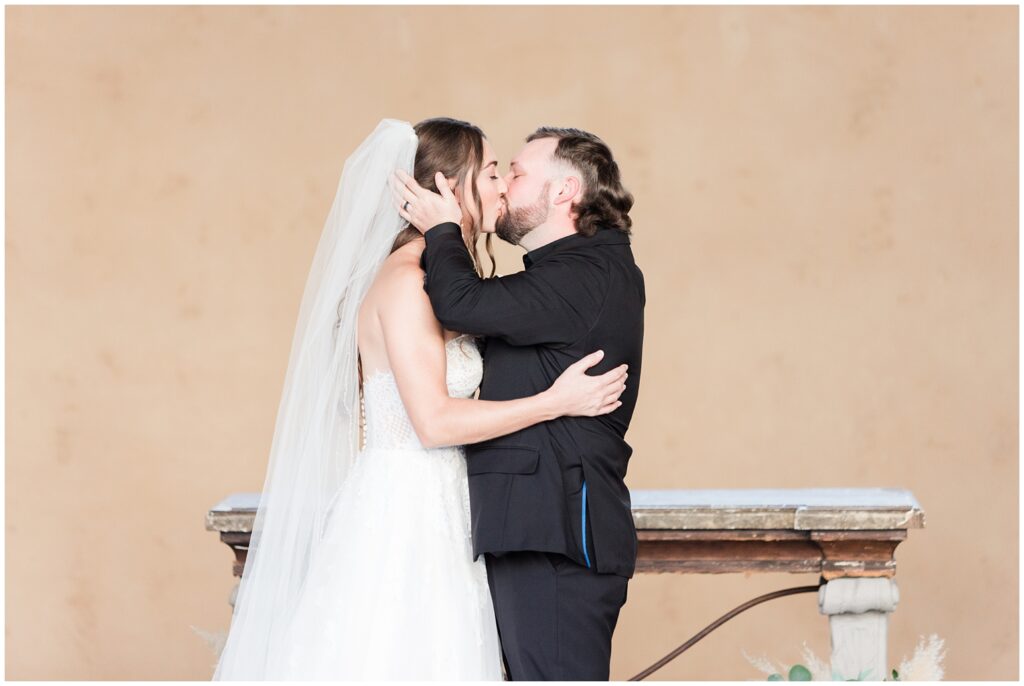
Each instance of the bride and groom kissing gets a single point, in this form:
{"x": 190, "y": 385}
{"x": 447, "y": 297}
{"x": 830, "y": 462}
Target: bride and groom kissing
{"x": 445, "y": 495}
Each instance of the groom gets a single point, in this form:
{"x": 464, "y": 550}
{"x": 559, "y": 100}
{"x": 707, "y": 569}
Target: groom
{"x": 550, "y": 511}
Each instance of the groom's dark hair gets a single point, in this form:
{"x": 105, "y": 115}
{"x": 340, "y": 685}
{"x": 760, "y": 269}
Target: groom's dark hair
{"x": 605, "y": 202}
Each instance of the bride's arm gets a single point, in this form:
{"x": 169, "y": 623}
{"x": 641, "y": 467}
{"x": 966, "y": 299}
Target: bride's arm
{"x": 416, "y": 351}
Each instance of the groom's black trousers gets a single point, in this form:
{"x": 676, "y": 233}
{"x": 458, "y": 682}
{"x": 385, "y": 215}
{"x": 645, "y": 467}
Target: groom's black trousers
{"x": 555, "y": 617}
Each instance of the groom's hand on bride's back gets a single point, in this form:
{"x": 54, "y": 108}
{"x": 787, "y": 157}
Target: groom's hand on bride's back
{"x": 422, "y": 208}
{"x": 577, "y": 394}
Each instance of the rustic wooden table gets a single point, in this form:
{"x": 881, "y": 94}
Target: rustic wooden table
{"x": 846, "y": 535}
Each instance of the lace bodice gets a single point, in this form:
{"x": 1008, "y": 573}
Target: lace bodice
{"x": 386, "y": 424}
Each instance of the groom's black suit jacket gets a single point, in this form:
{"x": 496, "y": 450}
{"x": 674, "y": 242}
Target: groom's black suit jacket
{"x": 553, "y": 485}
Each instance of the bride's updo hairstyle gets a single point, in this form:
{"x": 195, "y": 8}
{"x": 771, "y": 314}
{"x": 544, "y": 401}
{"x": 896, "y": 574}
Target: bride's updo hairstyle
{"x": 456, "y": 149}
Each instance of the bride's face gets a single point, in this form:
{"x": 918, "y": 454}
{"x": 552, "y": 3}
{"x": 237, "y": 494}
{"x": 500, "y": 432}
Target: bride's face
{"x": 492, "y": 188}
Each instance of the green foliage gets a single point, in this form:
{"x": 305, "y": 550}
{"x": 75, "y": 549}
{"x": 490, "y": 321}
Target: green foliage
{"x": 799, "y": 672}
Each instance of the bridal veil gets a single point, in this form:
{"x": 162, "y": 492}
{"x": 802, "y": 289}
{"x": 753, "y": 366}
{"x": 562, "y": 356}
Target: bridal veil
{"x": 316, "y": 435}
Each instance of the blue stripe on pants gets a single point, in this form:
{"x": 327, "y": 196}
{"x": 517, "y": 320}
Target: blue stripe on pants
{"x": 586, "y": 556}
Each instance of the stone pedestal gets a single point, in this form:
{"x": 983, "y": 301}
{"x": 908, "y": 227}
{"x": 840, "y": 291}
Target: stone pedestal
{"x": 858, "y": 618}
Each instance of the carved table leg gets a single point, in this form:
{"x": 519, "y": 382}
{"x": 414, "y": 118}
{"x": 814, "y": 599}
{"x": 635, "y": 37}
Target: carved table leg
{"x": 238, "y": 541}
{"x": 858, "y": 616}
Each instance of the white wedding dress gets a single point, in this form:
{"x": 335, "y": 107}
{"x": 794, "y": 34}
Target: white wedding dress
{"x": 394, "y": 593}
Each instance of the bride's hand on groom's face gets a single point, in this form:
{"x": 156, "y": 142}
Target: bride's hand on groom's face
{"x": 577, "y": 394}
{"x": 422, "y": 208}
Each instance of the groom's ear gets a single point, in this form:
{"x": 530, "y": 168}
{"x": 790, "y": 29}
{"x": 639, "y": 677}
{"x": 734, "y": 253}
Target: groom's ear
{"x": 571, "y": 190}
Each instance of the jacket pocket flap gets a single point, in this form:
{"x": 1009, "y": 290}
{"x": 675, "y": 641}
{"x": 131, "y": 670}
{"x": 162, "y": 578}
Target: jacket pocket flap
{"x": 506, "y": 459}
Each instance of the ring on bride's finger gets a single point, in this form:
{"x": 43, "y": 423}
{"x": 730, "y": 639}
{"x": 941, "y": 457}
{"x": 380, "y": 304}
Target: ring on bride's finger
{"x": 405, "y": 207}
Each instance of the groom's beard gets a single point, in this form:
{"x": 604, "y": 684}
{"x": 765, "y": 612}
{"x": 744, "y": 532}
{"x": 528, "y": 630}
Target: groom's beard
{"x": 517, "y": 222}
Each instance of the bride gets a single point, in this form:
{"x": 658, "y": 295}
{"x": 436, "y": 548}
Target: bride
{"x": 360, "y": 563}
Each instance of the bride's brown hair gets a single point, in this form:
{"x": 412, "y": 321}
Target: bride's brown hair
{"x": 456, "y": 149}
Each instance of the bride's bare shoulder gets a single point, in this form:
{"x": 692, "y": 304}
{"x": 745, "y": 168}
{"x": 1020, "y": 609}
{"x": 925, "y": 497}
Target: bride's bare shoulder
{"x": 400, "y": 275}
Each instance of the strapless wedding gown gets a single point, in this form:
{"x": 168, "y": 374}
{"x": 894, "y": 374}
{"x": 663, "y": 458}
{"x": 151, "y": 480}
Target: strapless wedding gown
{"x": 395, "y": 593}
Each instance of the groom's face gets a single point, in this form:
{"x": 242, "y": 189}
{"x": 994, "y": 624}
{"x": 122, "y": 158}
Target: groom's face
{"x": 527, "y": 202}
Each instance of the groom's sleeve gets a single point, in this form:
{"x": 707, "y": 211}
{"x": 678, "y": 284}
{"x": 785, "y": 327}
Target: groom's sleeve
{"x": 555, "y": 302}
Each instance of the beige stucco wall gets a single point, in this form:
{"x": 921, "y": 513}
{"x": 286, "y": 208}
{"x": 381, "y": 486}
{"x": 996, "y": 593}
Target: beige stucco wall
{"x": 826, "y": 216}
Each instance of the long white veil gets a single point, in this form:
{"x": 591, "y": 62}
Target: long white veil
{"x": 316, "y": 435}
